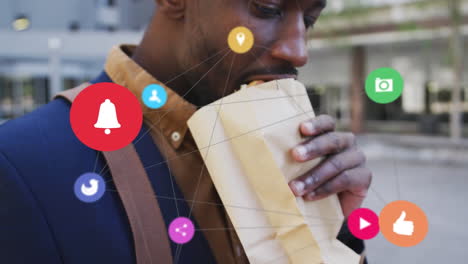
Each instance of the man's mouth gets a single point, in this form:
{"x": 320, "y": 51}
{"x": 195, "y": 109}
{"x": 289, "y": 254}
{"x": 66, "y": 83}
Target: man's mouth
{"x": 268, "y": 74}
{"x": 269, "y": 77}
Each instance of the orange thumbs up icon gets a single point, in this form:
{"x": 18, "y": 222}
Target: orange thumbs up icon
{"x": 402, "y": 226}
{"x": 403, "y": 223}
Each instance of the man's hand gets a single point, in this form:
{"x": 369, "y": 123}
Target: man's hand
{"x": 341, "y": 171}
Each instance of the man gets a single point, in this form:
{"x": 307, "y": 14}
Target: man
{"x": 184, "y": 48}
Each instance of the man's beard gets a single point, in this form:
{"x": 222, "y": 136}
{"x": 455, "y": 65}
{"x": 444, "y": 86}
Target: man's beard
{"x": 201, "y": 92}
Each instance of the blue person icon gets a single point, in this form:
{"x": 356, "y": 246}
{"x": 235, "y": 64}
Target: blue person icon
{"x": 154, "y": 96}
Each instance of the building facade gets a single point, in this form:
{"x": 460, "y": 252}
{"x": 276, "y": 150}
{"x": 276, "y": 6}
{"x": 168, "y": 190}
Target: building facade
{"x": 51, "y": 45}
{"x": 413, "y": 37}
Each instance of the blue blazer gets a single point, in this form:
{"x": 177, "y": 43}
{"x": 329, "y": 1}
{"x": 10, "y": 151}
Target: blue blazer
{"x": 41, "y": 220}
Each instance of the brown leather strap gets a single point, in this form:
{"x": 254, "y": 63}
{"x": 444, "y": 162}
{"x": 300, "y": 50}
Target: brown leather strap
{"x": 137, "y": 195}
{"x": 149, "y": 230}
{"x": 71, "y": 94}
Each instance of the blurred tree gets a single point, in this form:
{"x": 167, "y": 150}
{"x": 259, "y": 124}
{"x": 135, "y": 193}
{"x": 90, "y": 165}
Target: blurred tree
{"x": 358, "y": 69}
{"x": 457, "y": 66}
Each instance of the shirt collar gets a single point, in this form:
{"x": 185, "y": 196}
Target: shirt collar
{"x": 171, "y": 119}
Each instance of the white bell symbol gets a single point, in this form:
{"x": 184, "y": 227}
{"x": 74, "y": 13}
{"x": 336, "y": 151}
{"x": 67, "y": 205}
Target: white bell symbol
{"x": 107, "y": 117}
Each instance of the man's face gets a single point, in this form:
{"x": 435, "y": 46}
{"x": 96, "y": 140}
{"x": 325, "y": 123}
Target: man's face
{"x": 280, "y": 31}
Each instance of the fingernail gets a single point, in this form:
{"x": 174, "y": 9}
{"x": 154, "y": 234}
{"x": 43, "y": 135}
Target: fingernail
{"x": 308, "y": 127}
{"x": 298, "y": 187}
{"x": 300, "y": 152}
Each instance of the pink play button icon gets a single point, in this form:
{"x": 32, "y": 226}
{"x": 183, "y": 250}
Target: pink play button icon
{"x": 363, "y": 223}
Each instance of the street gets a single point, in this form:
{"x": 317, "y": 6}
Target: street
{"x": 439, "y": 188}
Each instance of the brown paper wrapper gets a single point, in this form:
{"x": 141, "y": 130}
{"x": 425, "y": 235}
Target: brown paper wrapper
{"x": 245, "y": 139}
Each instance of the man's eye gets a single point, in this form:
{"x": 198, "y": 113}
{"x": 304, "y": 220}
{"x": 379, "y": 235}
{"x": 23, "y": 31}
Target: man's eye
{"x": 267, "y": 11}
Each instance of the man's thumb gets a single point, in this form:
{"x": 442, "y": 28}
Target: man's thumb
{"x": 402, "y": 217}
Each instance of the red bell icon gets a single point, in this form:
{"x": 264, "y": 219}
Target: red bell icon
{"x": 107, "y": 117}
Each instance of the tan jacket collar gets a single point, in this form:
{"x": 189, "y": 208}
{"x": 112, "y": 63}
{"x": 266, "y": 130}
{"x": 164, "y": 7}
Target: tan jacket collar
{"x": 172, "y": 118}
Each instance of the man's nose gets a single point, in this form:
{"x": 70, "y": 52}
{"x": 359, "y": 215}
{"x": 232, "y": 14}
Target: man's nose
{"x": 291, "y": 43}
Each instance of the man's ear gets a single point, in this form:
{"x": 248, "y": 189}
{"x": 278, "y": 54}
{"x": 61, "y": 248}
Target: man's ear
{"x": 172, "y": 8}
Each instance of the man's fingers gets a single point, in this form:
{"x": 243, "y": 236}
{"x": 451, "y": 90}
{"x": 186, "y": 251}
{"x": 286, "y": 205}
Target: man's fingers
{"x": 327, "y": 170}
{"x": 325, "y": 144}
{"x": 355, "y": 181}
{"x": 350, "y": 201}
{"x": 317, "y": 126}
